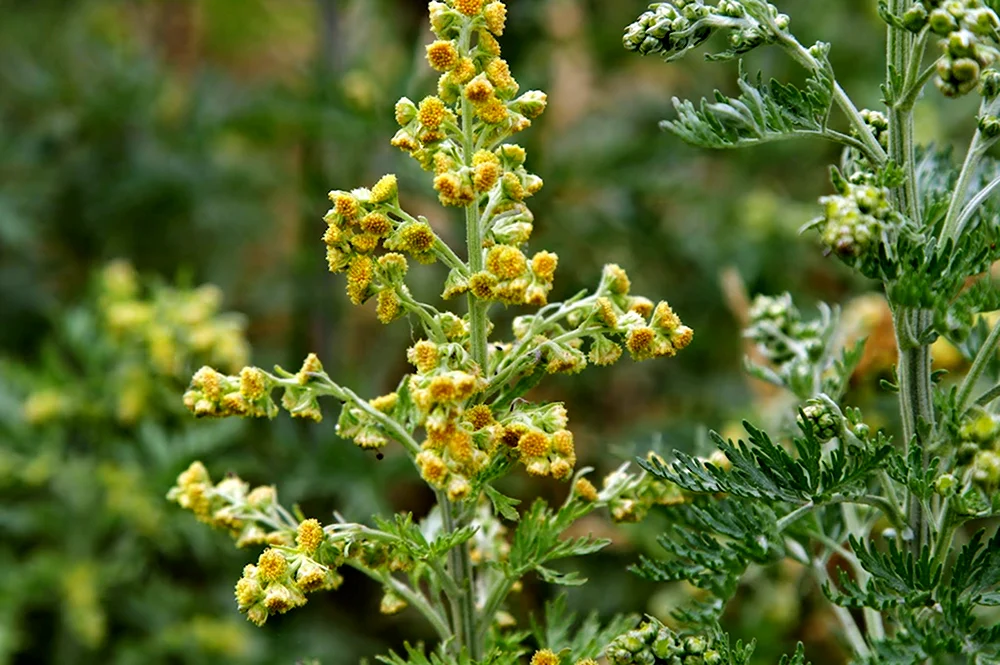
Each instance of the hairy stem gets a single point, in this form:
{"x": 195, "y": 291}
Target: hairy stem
{"x": 914, "y": 365}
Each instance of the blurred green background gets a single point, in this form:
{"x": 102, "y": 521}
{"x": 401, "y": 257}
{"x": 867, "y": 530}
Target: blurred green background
{"x": 196, "y": 140}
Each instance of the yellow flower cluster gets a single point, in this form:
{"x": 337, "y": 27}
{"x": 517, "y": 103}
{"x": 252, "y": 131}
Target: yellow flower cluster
{"x": 512, "y": 279}
{"x": 226, "y": 505}
{"x": 662, "y": 335}
{"x": 282, "y": 577}
{"x": 359, "y": 223}
{"x": 213, "y": 394}
{"x": 475, "y": 80}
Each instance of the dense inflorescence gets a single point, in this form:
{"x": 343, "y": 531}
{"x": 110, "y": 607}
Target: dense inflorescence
{"x": 461, "y": 415}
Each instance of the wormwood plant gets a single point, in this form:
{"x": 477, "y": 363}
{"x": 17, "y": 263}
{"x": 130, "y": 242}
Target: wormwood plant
{"x": 894, "y": 527}
{"x": 464, "y": 416}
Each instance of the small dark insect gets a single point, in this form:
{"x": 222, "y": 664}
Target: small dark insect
{"x": 379, "y": 456}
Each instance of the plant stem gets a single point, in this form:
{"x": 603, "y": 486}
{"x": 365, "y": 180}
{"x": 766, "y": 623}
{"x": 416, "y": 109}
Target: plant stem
{"x": 914, "y": 365}
{"x": 459, "y": 561}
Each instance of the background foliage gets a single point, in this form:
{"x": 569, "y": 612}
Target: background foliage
{"x": 197, "y": 140}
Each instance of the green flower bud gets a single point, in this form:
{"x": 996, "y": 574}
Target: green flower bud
{"x": 915, "y": 18}
{"x": 942, "y": 22}
{"x": 945, "y": 485}
{"x": 695, "y": 645}
{"x": 817, "y": 417}
{"x": 989, "y": 84}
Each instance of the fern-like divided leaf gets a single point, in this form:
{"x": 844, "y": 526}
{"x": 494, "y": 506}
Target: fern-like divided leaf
{"x": 762, "y": 469}
{"x": 762, "y": 113}
{"x": 563, "y": 629}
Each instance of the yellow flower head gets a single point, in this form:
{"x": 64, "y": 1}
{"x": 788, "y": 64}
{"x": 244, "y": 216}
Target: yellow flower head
{"x": 460, "y": 446}
{"x": 498, "y": 71}
{"x": 388, "y": 307}
{"x": 432, "y": 112}
{"x": 311, "y": 365}
{"x": 393, "y": 265}
{"x": 310, "y": 535}
{"x": 209, "y": 382}
{"x": 406, "y": 111}
{"x": 280, "y": 598}
{"x": 617, "y": 279}
{"x": 195, "y": 474}
{"x": 248, "y": 592}
{"x": 385, "y": 190}
{"x": 432, "y": 468}
{"x": 492, "y": 111}
{"x": 345, "y": 205}
{"x": 483, "y": 285}
{"x": 417, "y": 238}
{"x": 560, "y": 469}
{"x": 458, "y": 489}
{"x": 376, "y": 224}
{"x": 463, "y": 72}
{"x": 681, "y": 337}
{"x": 562, "y": 443}
{"x": 479, "y": 90}
{"x": 385, "y": 403}
{"x": 488, "y": 43}
{"x": 640, "y": 305}
{"x": 543, "y": 264}
{"x": 452, "y": 191}
{"x": 365, "y": 243}
{"x": 271, "y": 565}
{"x": 605, "y": 312}
{"x": 585, "y": 490}
{"x": 545, "y": 657}
{"x": 423, "y": 355}
{"x": 466, "y": 385}
{"x": 495, "y": 14}
{"x": 479, "y": 416}
{"x": 442, "y": 55}
{"x": 405, "y": 141}
{"x": 506, "y": 262}
{"x": 359, "y": 277}
{"x": 442, "y": 389}
{"x": 533, "y": 444}
{"x": 640, "y": 341}
{"x": 469, "y": 7}
{"x": 333, "y": 235}
{"x": 512, "y": 186}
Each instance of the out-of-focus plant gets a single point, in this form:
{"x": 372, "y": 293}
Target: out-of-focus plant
{"x": 880, "y": 525}
{"x": 463, "y": 417}
{"x": 91, "y": 438}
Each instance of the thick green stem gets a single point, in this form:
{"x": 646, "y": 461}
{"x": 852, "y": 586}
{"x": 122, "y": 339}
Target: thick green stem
{"x": 914, "y": 365}
{"x": 464, "y": 616}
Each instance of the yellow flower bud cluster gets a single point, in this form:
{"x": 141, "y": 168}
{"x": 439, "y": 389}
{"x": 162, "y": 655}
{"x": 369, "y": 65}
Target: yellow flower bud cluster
{"x": 511, "y": 278}
{"x": 537, "y": 435}
{"x": 476, "y": 80}
{"x": 442, "y": 389}
{"x": 281, "y": 579}
{"x": 228, "y": 505}
{"x": 213, "y": 394}
{"x": 624, "y": 315}
{"x": 359, "y": 223}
